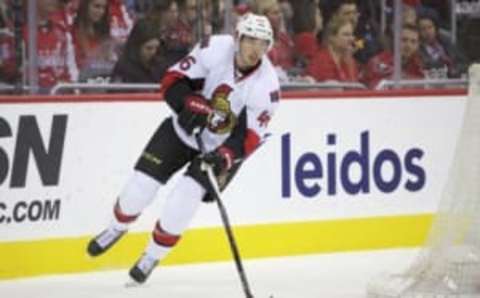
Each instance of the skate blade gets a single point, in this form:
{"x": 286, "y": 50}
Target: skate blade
{"x": 133, "y": 284}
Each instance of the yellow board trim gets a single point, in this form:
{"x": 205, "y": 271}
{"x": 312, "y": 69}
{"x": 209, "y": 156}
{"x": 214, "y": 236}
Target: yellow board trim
{"x": 67, "y": 255}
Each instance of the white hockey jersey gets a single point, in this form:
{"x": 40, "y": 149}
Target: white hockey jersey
{"x": 256, "y": 93}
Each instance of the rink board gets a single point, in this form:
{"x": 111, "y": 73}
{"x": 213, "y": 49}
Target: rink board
{"x": 338, "y": 174}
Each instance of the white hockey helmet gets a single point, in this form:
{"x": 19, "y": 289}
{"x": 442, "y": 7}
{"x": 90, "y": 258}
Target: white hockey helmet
{"x": 255, "y": 26}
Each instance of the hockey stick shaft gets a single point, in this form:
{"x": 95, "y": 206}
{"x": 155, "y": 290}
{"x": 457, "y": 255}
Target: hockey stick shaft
{"x": 226, "y": 223}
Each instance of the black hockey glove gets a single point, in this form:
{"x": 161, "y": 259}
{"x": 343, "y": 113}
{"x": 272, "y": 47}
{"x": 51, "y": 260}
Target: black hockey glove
{"x": 221, "y": 160}
{"x": 195, "y": 113}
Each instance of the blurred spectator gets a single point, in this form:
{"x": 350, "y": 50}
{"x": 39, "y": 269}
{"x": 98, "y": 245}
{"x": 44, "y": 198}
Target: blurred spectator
{"x": 95, "y": 48}
{"x": 287, "y": 13}
{"x": 409, "y": 15}
{"x": 137, "y": 60}
{"x": 335, "y": 62}
{"x": 282, "y": 51}
{"x": 214, "y": 11}
{"x": 367, "y": 33}
{"x": 347, "y": 9}
{"x": 413, "y": 3}
{"x": 121, "y": 22}
{"x": 176, "y": 37}
{"x": 308, "y": 27}
{"x": 53, "y": 55}
{"x": 4, "y": 19}
{"x": 442, "y": 8}
{"x": 240, "y": 8}
{"x": 381, "y": 66}
{"x": 189, "y": 18}
{"x": 469, "y": 38}
{"x": 366, "y": 30}
{"x": 119, "y": 18}
{"x": 6, "y": 39}
{"x": 132, "y": 7}
{"x": 70, "y": 10}
{"x": 408, "y": 6}
{"x": 138, "y": 8}
{"x": 176, "y": 33}
{"x": 188, "y": 12}
{"x": 440, "y": 57}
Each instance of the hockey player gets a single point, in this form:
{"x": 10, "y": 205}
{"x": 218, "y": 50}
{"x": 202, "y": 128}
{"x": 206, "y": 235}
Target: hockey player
{"x": 226, "y": 90}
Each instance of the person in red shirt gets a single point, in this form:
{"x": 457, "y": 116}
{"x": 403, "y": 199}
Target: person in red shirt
{"x": 365, "y": 26}
{"x": 95, "y": 48}
{"x": 308, "y": 26}
{"x": 282, "y": 52}
{"x": 412, "y": 3}
{"x": 54, "y": 57}
{"x": 121, "y": 23}
{"x": 335, "y": 62}
{"x": 380, "y": 67}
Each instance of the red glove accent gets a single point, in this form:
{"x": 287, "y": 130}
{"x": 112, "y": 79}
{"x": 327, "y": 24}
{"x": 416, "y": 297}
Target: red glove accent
{"x": 228, "y": 155}
{"x": 195, "y": 113}
{"x": 221, "y": 159}
{"x": 197, "y": 104}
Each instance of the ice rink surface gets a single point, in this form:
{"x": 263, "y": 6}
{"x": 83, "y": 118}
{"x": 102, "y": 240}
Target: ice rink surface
{"x": 339, "y": 275}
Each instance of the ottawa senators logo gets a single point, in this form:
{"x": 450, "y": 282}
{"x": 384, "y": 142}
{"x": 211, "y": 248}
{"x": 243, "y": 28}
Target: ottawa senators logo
{"x": 222, "y": 120}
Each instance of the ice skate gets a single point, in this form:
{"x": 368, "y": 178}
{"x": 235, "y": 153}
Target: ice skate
{"x": 142, "y": 269}
{"x": 103, "y": 241}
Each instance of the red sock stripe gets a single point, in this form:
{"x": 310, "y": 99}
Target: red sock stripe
{"x": 163, "y": 238}
{"x": 122, "y": 217}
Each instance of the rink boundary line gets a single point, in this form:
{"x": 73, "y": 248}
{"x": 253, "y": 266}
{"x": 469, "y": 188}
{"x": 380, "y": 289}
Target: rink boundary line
{"x": 67, "y": 255}
{"x": 286, "y": 95}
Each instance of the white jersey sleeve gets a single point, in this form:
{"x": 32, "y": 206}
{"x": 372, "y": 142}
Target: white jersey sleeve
{"x": 261, "y": 107}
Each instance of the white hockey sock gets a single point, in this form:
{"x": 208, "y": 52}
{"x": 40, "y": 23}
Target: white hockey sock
{"x": 177, "y": 214}
{"x": 120, "y": 226}
{"x": 138, "y": 193}
{"x": 156, "y": 251}
{"x": 181, "y": 205}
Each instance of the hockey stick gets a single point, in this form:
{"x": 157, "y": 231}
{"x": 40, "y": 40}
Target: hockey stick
{"x": 226, "y": 221}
